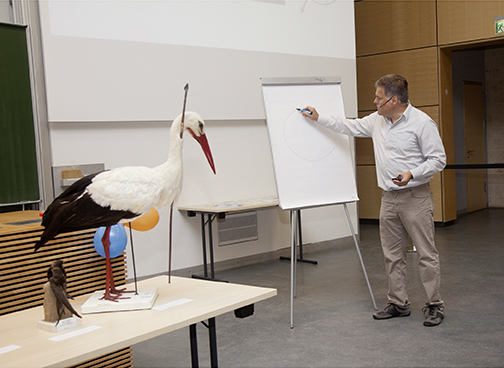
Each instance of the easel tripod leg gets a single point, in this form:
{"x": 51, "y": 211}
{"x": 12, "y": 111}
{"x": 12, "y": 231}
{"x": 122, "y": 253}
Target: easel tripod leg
{"x": 293, "y": 265}
{"x": 359, "y": 253}
{"x": 300, "y": 242}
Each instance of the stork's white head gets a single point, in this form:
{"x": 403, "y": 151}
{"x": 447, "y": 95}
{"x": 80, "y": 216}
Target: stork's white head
{"x": 195, "y": 125}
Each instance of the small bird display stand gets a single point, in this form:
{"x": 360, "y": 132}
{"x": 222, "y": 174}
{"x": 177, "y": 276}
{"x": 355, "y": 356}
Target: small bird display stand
{"x": 52, "y": 322}
{"x": 58, "y": 312}
{"x": 62, "y": 325}
{"x": 143, "y": 299}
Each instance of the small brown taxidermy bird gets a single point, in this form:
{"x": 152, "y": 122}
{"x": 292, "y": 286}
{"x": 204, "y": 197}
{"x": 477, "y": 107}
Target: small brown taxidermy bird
{"x": 57, "y": 278}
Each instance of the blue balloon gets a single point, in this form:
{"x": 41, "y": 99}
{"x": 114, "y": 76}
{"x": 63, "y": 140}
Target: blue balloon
{"x": 118, "y": 240}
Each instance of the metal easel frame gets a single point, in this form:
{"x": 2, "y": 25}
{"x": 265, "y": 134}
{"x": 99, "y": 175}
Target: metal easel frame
{"x": 294, "y": 224}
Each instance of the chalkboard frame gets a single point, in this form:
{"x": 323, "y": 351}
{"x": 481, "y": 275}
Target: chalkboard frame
{"x": 19, "y": 183}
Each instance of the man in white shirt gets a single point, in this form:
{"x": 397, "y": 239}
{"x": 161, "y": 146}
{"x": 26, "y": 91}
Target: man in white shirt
{"x": 408, "y": 152}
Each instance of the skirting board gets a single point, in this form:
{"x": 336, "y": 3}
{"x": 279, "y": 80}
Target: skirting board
{"x": 254, "y": 259}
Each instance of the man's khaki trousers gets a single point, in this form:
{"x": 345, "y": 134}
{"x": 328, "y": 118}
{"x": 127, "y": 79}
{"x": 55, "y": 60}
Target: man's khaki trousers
{"x": 410, "y": 211}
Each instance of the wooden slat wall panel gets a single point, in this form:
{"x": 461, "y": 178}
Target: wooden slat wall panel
{"x": 118, "y": 359}
{"x": 468, "y": 20}
{"x": 386, "y": 26}
{"x": 419, "y": 67}
{"x": 23, "y": 271}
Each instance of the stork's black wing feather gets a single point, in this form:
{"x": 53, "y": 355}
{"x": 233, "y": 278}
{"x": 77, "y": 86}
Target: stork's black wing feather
{"x": 74, "y": 210}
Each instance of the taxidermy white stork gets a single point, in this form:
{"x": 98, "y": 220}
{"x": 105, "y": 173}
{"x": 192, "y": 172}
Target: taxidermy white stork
{"x": 123, "y": 194}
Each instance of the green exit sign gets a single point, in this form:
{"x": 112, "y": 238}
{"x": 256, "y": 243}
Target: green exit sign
{"x": 499, "y": 25}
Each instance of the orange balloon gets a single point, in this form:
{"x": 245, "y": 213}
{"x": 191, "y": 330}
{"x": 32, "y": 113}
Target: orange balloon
{"x": 146, "y": 222}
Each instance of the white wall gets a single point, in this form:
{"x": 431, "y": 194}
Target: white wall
{"x": 127, "y": 60}
{"x": 5, "y": 12}
{"x": 241, "y": 154}
{"x": 111, "y": 101}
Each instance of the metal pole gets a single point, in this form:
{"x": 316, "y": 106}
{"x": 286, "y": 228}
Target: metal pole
{"x": 203, "y": 239}
{"x": 210, "y": 244}
{"x": 359, "y": 253}
{"x": 293, "y": 265}
{"x": 133, "y": 259}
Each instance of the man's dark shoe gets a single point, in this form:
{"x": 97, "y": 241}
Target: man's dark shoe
{"x": 433, "y": 315}
{"x": 391, "y": 311}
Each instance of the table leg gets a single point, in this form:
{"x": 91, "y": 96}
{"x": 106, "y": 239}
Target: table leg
{"x": 213, "y": 342}
{"x": 203, "y": 240}
{"x": 194, "y": 346}
{"x": 210, "y": 241}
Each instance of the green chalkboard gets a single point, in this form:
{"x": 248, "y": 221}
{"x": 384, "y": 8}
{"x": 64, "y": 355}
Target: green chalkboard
{"x": 18, "y": 157}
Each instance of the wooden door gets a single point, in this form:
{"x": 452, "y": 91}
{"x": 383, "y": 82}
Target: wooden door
{"x": 474, "y": 123}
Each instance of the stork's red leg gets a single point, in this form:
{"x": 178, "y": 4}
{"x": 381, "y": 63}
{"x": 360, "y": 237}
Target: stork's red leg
{"x": 113, "y": 289}
{"x": 108, "y": 269}
{"x": 170, "y": 245}
{"x": 110, "y": 285}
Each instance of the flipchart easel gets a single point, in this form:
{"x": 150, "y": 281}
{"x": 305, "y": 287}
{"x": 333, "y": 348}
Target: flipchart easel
{"x": 313, "y": 165}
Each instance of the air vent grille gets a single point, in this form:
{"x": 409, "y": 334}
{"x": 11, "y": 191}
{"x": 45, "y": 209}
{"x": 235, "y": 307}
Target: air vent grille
{"x": 238, "y": 228}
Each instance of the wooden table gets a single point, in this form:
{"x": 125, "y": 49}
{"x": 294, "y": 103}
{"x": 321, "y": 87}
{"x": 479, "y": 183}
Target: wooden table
{"x": 183, "y": 302}
{"x": 219, "y": 210}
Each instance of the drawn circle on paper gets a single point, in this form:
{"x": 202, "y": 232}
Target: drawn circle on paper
{"x": 306, "y": 138}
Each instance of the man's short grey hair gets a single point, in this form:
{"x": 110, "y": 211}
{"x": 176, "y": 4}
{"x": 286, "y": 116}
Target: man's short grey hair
{"x": 394, "y": 85}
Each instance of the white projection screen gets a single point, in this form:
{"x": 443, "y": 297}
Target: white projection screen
{"x": 128, "y": 60}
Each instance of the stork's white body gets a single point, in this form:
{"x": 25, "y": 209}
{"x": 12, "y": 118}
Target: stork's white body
{"x": 138, "y": 188}
{"x": 123, "y": 194}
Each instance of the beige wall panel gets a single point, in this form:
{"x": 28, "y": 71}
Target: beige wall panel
{"x": 432, "y": 111}
{"x": 385, "y": 26}
{"x": 468, "y": 20}
{"x": 446, "y": 127}
{"x": 445, "y": 200}
{"x": 369, "y": 192}
{"x": 419, "y": 67}
{"x": 435, "y": 184}
{"x": 364, "y": 151}
{"x": 439, "y": 202}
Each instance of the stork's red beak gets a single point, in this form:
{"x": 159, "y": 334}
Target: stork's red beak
{"x": 202, "y": 140}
